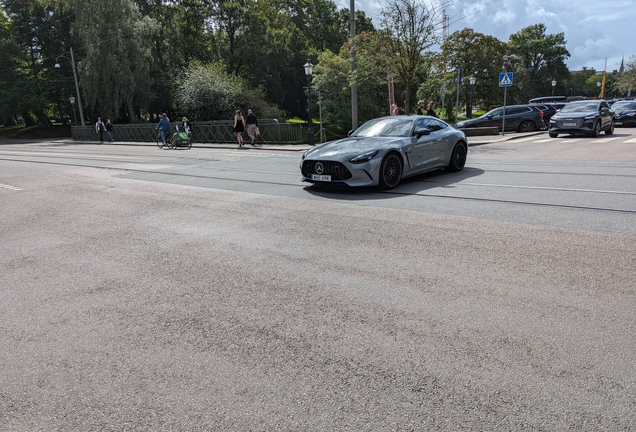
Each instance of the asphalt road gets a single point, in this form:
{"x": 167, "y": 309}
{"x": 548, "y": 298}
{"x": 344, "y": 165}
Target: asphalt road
{"x": 209, "y": 289}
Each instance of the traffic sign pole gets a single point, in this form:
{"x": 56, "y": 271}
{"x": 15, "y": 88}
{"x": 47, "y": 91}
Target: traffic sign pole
{"x": 505, "y": 81}
{"x": 503, "y": 122}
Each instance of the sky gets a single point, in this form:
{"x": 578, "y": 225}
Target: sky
{"x": 594, "y": 29}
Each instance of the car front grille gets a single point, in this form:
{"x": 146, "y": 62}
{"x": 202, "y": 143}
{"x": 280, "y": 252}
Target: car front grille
{"x": 336, "y": 170}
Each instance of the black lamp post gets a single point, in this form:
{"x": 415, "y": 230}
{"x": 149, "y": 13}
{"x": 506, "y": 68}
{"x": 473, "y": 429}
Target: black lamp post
{"x": 469, "y": 112}
{"x": 72, "y": 101}
{"x": 79, "y": 98}
{"x": 309, "y": 68}
{"x": 553, "y": 86}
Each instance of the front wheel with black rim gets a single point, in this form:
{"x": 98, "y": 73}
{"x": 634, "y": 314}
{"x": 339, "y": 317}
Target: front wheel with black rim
{"x": 458, "y": 157}
{"x": 610, "y": 130}
{"x": 159, "y": 141}
{"x": 597, "y": 129}
{"x": 390, "y": 171}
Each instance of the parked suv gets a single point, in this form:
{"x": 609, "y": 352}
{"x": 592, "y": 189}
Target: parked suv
{"x": 588, "y": 117}
{"x": 522, "y": 118}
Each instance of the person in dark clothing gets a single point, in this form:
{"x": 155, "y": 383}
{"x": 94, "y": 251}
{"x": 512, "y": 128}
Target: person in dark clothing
{"x": 187, "y": 126}
{"x": 239, "y": 127}
{"x": 420, "y": 107}
{"x": 430, "y": 111}
{"x": 164, "y": 124}
{"x": 252, "y": 124}
{"x": 109, "y": 130}
{"x": 100, "y": 128}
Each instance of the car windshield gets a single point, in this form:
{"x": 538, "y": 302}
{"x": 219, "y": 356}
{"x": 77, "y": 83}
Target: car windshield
{"x": 580, "y": 107}
{"x": 385, "y": 127}
{"x": 624, "y": 106}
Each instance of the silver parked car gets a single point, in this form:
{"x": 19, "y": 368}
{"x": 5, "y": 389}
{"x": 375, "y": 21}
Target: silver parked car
{"x": 385, "y": 150}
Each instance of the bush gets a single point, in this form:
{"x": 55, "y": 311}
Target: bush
{"x": 208, "y": 92}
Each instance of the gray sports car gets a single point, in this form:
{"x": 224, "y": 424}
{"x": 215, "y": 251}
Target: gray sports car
{"x": 384, "y": 150}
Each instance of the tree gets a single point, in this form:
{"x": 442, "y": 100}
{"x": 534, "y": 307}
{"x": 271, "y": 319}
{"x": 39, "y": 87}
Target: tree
{"x": 626, "y": 82}
{"x": 537, "y": 59}
{"x": 410, "y": 30}
{"x": 480, "y": 56}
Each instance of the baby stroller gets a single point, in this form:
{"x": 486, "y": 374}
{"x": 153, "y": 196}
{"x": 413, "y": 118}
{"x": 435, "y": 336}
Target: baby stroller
{"x": 181, "y": 139}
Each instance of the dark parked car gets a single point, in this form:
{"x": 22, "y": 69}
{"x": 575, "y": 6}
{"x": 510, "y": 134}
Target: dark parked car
{"x": 588, "y": 117}
{"x": 549, "y": 109}
{"x": 522, "y": 118}
{"x": 625, "y": 113}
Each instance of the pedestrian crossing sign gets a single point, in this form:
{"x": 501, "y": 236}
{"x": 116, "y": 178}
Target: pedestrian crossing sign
{"x": 505, "y": 79}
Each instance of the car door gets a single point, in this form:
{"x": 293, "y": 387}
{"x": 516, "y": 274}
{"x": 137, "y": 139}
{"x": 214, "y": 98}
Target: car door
{"x": 427, "y": 150}
{"x": 606, "y": 115}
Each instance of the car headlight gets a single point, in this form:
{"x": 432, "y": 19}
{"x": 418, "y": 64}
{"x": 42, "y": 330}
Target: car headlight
{"x": 366, "y": 157}
{"x": 590, "y": 117}
{"x": 461, "y": 124}
{"x": 630, "y": 114}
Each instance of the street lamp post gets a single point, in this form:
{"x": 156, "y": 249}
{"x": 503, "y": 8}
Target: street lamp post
{"x": 79, "y": 98}
{"x": 472, "y": 80}
{"x": 553, "y": 86}
{"x": 72, "y": 101}
{"x": 309, "y": 68}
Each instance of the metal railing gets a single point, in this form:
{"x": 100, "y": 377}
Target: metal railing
{"x": 271, "y": 132}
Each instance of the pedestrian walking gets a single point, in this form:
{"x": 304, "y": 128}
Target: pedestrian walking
{"x": 421, "y": 106}
{"x": 187, "y": 126}
{"x": 109, "y": 131}
{"x": 252, "y": 127}
{"x": 100, "y": 128}
{"x": 164, "y": 124}
{"x": 430, "y": 110}
{"x": 239, "y": 127}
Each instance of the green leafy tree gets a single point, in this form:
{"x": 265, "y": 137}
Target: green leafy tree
{"x": 626, "y": 81}
{"x": 481, "y": 56}
{"x": 410, "y": 30}
{"x": 537, "y": 59}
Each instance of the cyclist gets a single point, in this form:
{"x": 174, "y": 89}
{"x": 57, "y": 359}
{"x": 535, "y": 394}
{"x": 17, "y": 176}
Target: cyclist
{"x": 164, "y": 124}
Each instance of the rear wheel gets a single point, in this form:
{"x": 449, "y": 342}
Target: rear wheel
{"x": 390, "y": 171}
{"x": 526, "y": 126}
{"x": 553, "y": 134}
{"x": 610, "y": 130}
{"x": 458, "y": 157}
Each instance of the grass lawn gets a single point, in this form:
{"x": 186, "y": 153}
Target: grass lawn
{"x": 34, "y": 132}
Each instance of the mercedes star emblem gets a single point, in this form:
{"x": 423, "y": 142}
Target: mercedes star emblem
{"x": 319, "y": 168}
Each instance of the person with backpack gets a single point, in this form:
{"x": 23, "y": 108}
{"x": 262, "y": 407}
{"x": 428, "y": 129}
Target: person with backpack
{"x": 100, "y": 128}
{"x": 109, "y": 131}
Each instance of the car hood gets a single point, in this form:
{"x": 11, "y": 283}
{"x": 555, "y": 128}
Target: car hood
{"x": 350, "y": 147}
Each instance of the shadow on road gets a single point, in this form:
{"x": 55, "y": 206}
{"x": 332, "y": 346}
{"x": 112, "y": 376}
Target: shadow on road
{"x": 409, "y": 186}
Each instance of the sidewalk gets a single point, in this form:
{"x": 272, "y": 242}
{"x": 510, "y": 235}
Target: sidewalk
{"x": 472, "y": 141}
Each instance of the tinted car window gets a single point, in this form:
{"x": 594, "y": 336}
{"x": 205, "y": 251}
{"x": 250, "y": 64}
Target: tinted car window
{"x": 495, "y": 113}
{"x": 517, "y": 110}
{"x": 430, "y": 124}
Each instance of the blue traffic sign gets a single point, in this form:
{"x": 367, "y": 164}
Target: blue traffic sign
{"x": 505, "y": 79}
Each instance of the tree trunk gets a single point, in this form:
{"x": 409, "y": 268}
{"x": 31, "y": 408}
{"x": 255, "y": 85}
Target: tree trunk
{"x": 131, "y": 112}
{"x": 407, "y": 99}
{"x": 43, "y": 119}
{"x": 28, "y": 119}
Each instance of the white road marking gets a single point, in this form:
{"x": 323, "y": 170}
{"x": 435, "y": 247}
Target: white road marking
{"x": 633, "y": 140}
{"x": 544, "y": 140}
{"x": 15, "y": 188}
{"x": 604, "y": 140}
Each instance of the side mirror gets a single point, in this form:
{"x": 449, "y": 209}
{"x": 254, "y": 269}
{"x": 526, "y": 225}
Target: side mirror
{"x": 422, "y": 132}
{"x": 489, "y": 116}
{"x": 350, "y": 132}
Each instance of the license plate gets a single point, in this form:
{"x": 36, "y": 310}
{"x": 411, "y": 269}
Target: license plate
{"x": 326, "y": 178}
{"x": 618, "y": 123}
{"x": 569, "y": 124}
